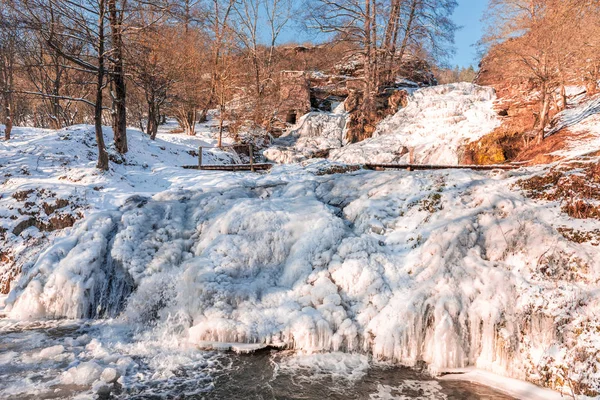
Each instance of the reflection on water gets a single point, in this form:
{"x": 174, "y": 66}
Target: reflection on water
{"x": 62, "y": 359}
{"x": 261, "y": 376}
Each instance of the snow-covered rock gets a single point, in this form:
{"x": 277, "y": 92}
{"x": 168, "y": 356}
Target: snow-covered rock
{"x": 83, "y": 374}
{"x": 314, "y": 135}
{"x": 436, "y": 123}
{"x": 109, "y": 375}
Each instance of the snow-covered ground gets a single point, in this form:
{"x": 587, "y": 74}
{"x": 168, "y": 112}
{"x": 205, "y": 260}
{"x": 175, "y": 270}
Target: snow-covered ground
{"x": 454, "y": 268}
{"x": 48, "y": 178}
{"x": 576, "y": 114}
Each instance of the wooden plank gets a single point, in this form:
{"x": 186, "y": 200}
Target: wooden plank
{"x": 230, "y": 167}
{"x": 411, "y": 167}
{"x": 200, "y": 157}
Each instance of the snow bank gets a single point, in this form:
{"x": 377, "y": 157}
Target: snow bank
{"x": 453, "y": 268}
{"x": 437, "y": 122}
{"x": 573, "y": 116}
{"x": 315, "y": 134}
{"x": 48, "y": 180}
{"x": 512, "y": 387}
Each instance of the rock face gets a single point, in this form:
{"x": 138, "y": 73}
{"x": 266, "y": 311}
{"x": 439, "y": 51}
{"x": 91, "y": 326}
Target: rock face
{"x": 294, "y": 95}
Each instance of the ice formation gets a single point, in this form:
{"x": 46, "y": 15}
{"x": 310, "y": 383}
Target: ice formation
{"x": 314, "y": 135}
{"x": 450, "y": 268}
{"x": 437, "y": 122}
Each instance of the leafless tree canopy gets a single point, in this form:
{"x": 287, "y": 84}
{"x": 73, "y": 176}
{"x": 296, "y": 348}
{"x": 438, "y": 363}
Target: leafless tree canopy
{"x": 132, "y": 62}
{"x": 545, "y": 45}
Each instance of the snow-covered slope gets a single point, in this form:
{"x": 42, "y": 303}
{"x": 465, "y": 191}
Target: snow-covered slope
{"x": 453, "y": 268}
{"x": 575, "y": 115}
{"x": 48, "y": 180}
{"x": 437, "y": 122}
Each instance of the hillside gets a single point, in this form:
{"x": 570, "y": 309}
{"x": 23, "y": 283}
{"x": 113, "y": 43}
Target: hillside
{"x": 49, "y": 181}
{"x": 452, "y": 268}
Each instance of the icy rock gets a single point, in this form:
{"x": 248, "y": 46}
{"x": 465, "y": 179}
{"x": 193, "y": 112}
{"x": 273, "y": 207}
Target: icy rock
{"x": 376, "y": 226}
{"x": 51, "y": 352}
{"x": 110, "y": 375}
{"x": 83, "y": 339}
{"x": 101, "y": 388}
{"x": 83, "y": 374}
{"x": 315, "y": 134}
{"x": 125, "y": 364}
{"x": 296, "y": 262}
{"x": 437, "y": 122}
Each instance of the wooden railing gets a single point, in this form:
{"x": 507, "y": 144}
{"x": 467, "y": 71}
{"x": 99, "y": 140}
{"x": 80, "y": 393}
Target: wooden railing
{"x": 252, "y": 166}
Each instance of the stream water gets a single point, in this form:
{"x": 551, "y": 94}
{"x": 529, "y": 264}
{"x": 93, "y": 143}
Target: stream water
{"x": 67, "y": 359}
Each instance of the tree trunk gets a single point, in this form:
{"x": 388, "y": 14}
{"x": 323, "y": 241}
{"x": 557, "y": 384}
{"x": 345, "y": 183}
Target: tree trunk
{"x": 407, "y": 30}
{"x": 153, "y": 120}
{"x": 544, "y": 113}
{"x": 120, "y": 126}
{"x": 563, "y": 96}
{"x": 374, "y": 47}
{"x": 8, "y": 122}
{"x": 221, "y": 116}
{"x": 191, "y": 122}
{"x": 368, "y": 54}
{"x": 7, "y": 78}
{"x": 102, "y": 154}
{"x": 389, "y": 42}
{"x": 55, "y": 101}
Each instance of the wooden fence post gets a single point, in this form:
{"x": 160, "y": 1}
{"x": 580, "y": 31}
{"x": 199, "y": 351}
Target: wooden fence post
{"x": 200, "y": 157}
{"x": 251, "y": 157}
{"x": 411, "y": 158}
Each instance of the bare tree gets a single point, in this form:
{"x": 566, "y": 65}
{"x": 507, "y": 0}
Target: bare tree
{"x": 152, "y": 62}
{"x": 59, "y": 21}
{"x": 535, "y": 41}
{"x": 48, "y": 72}
{"x": 8, "y": 44}
{"x": 257, "y": 25}
{"x": 116, "y": 12}
{"x": 385, "y": 32}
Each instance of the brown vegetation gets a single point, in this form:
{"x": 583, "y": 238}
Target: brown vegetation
{"x": 535, "y": 48}
{"x": 575, "y": 185}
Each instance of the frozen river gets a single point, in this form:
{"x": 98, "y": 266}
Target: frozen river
{"x": 60, "y": 359}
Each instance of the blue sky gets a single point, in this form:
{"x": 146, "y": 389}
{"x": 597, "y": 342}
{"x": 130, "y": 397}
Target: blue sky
{"x": 468, "y": 15}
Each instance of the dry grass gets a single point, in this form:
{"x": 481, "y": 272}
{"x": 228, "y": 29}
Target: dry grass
{"x": 575, "y": 185}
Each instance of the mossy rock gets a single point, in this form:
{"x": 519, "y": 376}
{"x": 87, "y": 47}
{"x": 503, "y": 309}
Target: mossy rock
{"x": 493, "y": 154}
